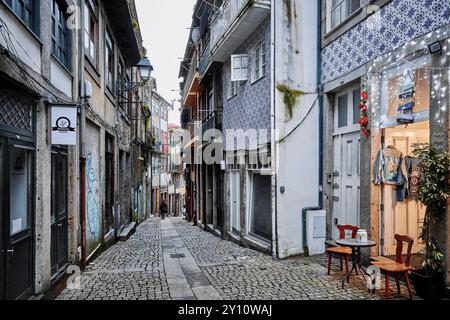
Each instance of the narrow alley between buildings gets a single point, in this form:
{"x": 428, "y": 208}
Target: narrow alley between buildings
{"x": 162, "y": 261}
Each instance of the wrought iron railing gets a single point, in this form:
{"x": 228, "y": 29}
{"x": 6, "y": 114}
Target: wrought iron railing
{"x": 205, "y": 59}
{"x": 224, "y": 18}
{"x": 193, "y": 69}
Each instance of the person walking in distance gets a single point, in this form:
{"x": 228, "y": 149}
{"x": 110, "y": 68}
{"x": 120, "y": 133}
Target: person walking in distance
{"x": 163, "y": 209}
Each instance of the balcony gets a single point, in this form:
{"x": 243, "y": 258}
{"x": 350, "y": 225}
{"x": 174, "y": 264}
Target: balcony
{"x": 205, "y": 60}
{"x": 235, "y": 21}
{"x": 192, "y": 83}
{"x": 212, "y": 120}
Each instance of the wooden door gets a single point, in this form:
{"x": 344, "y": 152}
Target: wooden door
{"x": 404, "y": 218}
{"x": 346, "y": 187}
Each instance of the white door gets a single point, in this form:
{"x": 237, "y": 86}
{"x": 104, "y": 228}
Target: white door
{"x": 235, "y": 202}
{"x": 346, "y": 173}
{"x": 403, "y": 218}
{"x": 346, "y": 187}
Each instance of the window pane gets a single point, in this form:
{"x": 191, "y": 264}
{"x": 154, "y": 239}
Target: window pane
{"x": 353, "y": 5}
{"x": 343, "y": 111}
{"x": 335, "y": 17}
{"x": 20, "y": 190}
{"x": 62, "y": 183}
{"x": 237, "y": 63}
{"x": 356, "y": 101}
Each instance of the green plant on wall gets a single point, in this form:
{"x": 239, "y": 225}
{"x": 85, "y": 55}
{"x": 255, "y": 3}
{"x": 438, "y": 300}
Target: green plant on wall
{"x": 135, "y": 24}
{"x": 290, "y": 98}
{"x": 434, "y": 192}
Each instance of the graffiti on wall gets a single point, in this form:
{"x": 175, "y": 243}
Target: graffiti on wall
{"x": 92, "y": 205}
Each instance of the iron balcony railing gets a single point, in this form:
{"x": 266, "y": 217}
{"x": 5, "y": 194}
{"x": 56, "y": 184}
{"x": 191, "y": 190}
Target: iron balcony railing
{"x": 213, "y": 120}
{"x": 193, "y": 72}
{"x": 205, "y": 59}
{"x": 226, "y": 15}
{"x": 204, "y": 121}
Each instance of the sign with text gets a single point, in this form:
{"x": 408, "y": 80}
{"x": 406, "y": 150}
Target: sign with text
{"x": 64, "y": 125}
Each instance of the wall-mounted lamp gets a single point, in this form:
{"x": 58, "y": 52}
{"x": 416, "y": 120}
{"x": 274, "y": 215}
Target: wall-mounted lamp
{"x": 435, "y": 47}
{"x": 223, "y": 165}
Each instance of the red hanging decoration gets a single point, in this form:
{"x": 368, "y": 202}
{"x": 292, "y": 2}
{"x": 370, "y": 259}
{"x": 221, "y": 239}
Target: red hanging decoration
{"x": 364, "y": 119}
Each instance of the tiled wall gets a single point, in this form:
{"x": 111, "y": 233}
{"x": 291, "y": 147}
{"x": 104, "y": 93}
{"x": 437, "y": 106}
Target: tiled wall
{"x": 401, "y": 22}
{"x": 250, "y": 108}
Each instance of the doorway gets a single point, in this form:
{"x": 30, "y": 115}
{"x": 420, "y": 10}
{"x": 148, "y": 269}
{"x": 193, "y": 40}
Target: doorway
{"x": 403, "y": 217}
{"x": 235, "y": 202}
{"x": 59, "y": 214}
{"x": 346, "y": 159}
{"x": 16, "y": 218}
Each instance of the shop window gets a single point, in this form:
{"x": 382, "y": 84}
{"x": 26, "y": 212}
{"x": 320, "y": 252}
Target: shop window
{"x": 27, "y": 11}
{"x": 91, "y": 31}
{"x": 339, "y": 10}
{"x": 261, "y": 206}
{"x": 415, "y": 74}
{"x": 60, "y": 34}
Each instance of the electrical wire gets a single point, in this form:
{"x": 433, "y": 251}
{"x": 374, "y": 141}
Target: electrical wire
{"x": 301, "y": 122}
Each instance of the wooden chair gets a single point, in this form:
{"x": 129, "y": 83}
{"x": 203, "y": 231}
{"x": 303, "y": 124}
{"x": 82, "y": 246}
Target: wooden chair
{"x": 342, "y": 252}
{"x": 398, "y": 268}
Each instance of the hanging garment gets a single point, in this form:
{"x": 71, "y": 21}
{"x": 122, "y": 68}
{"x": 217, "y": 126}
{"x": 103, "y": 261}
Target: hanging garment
{"x": 410, "y": 190}
{"x": 390, "y": 168}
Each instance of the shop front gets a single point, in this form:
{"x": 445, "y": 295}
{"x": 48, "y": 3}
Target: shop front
{"x": 399, "y": 92}
{"x": 17, "y": 180}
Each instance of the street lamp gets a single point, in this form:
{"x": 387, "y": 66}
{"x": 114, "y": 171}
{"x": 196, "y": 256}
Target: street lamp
{"x": 145, "y": 68}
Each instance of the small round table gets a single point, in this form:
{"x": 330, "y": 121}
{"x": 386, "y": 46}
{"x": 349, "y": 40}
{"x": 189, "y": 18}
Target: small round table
{"x": 356, "y": 256}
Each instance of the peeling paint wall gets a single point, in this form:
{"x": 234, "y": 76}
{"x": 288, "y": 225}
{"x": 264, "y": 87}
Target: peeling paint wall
{"x": 298, "y": 155}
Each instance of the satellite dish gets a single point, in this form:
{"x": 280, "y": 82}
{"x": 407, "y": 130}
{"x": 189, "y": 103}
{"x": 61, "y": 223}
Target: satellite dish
{"x": 196, "y": 35}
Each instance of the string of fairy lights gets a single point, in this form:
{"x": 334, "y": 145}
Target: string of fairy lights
{"x": 411, "y": 62}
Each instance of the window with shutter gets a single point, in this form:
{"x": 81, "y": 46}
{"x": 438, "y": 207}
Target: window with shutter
{"x": 259, "y": 62}
{"x": 239, "y": 67}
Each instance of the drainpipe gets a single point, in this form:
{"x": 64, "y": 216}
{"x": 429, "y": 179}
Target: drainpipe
{"x": 82, "y": 148}
{"x": 275, "y": 251}
{"x": 321, "y": 133}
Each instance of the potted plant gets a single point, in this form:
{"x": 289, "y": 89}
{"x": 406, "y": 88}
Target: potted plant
{"x": 434, "y": 192}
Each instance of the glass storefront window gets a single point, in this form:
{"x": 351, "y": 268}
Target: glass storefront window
{"x": 415, "y": 71}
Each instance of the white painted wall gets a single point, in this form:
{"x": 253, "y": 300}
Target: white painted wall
{"x": 61, "y": 78}
{"x": 297, "y": 157}
{"x": 25, "y": 43}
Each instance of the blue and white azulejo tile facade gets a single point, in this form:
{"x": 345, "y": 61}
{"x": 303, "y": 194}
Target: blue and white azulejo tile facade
{"x": 401, "y": 21}
{"x": 250, "y": 108}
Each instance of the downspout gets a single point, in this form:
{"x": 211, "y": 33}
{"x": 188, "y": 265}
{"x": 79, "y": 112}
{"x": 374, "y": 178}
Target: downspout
{"x": 274, "y": 156}
{"x": 321, "y": 133}
{"x": 82, "y": 147}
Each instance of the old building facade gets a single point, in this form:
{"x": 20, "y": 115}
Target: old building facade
{"x": 379, "y": 51}
{"x": 61, "y": 204}
{"x": 160, "y": 151}
{"x": 245, "y": 59}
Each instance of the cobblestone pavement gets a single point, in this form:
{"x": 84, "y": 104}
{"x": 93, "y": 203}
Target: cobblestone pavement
{"x": 131, "y": 270}
{"x": 184, "y": 262}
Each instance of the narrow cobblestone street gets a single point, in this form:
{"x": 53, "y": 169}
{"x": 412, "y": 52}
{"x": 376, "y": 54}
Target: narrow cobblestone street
{"x": 171, "y": 259}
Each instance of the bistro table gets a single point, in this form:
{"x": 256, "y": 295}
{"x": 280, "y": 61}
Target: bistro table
{"x": 356, "y": 256}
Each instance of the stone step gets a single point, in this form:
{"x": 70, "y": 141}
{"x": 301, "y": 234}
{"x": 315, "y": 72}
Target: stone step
{"x": 128, "y": 231}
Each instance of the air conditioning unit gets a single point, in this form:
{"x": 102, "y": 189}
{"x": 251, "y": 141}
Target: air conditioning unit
{"x": 316, "y": 232}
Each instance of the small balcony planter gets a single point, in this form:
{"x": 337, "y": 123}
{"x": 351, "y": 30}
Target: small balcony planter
{"x": 428, "y": 286}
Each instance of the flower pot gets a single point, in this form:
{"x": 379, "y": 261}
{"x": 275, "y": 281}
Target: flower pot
{"x": 428, "y": 287}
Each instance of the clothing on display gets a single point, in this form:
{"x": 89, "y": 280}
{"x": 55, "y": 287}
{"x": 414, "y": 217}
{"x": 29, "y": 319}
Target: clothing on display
{"x": 390, "y": 168}
{"x": 413, "y": 169}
